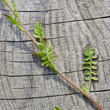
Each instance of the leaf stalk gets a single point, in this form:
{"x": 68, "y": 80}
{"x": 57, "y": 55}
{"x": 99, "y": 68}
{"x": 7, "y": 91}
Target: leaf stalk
{"x": 90, "y": 77}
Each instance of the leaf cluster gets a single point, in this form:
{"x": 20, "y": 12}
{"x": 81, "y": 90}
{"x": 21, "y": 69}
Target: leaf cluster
{"x": 45, "y": 48}
{"x": 89, "y": 66}
{"x": 15, "y": 18}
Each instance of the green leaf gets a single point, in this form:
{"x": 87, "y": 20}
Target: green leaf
{"x": 56, "y": 108}
{"x": 39, "y": 32}
{"x": 94, "y": 62}
{"x": 44, "y": 58}
{"x": 89, "y": 66}
{"x": 45, "y": 48}
{"x": 87, "y": 79}
{"x": 94, "y": 67}
{"x": 51, "y": 53}
{"x": 45, "y": 62}
{"x": 52, "y": 57}
{"x": 86, "y": 68}
{"x": 89, "y": 51}
{"x": 86, "y": 63}
{"x": 94, "y": 57}
{"x": 42, "y": 46}
{"x": 87, "y": 72}
{"x": 47, "y": 65}
{"x": 94, "y": 78}
{"x": 36, "y": 36}
{"x": 94, "y": 72}
{"x": 12, "y": 20}
{"x": 50, "y": 47}
{"x": 86, "y": 59}
{"x": 41, "y": 54}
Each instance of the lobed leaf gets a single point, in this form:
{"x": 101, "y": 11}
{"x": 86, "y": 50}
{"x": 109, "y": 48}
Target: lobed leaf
{"x": 89, "y": 51}
{"x": 12, "y": 20}
{"x": 94, "y": 78}
{"x": 94, "y": 67}
{"x": 39, "y": 32}
{"x": 87, "y": 79}
{"x": 51, "y": 53}
{"x": 41, "y": 54}
{"x": 94, "y": 72}
{"x": 86, "y": 68}
{"x": 89, "y": 66}
{"x": 94, "y": 62}
{"x": 52, "y": 57}
{"x": 45, "y": 62}
{"x": 46, "y": 50}
{"x": 94, "y": 57}
{"x": 44, "y": 58}
{"x": 86, "y": 63}
{"x": 87, "y": 72}
{"x": 86, "y": 59}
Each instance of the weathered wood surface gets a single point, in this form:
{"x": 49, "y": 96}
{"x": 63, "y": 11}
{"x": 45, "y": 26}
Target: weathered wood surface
{"x": 70, "y": 25}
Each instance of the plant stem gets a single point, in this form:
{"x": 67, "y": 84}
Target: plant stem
{"x": 31, "y": 37}
{"x": 56, "y": 70}
{"x": 90, "y": 76}
{"x": 24, "y": 29}
{"x": 80, "y": 90}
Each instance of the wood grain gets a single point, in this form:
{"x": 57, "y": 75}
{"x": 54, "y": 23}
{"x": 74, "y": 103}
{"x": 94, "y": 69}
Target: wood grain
{"x": 69, "y": 25}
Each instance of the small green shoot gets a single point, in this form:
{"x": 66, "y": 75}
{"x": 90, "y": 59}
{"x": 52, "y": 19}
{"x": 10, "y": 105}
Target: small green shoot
{"x": 89, "y": 67}
{"x": 15, "y": 18}
{"x": 45, "y": 48}
{"x": 39, "y": 32}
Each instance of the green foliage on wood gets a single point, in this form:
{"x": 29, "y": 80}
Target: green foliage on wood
{"x": 89, "y": 66}
{"x": 45, "y": 48}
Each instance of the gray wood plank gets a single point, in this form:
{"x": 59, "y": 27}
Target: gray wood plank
{"x": 70, "y": 101}
{"x": 69, "y": 25}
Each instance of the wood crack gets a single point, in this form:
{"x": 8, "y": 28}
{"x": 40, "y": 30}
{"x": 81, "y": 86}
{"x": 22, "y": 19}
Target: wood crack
{"x": 28, "y": 98}
{"x": 28, "y": 11}
{"x": 89, "y": 19}
{"x": 52, "y": 73}
{"x": 57, "y": 60}
{"x": 16, "y": 41}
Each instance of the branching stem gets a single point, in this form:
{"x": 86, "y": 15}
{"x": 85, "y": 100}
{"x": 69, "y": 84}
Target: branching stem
{"x": 56, "y": 70}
